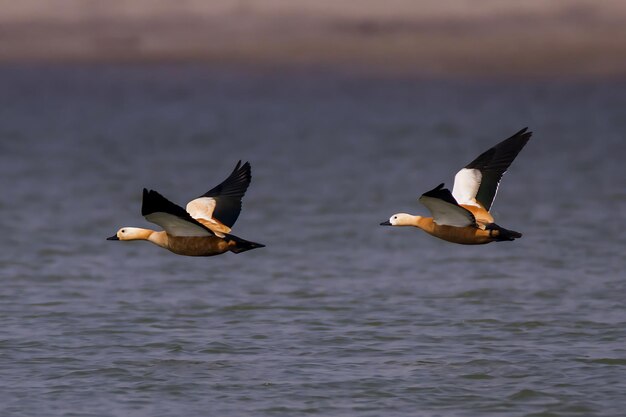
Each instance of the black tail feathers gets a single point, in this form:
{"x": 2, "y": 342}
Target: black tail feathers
{"x": 500, "y": 234}
{"x": 242, "y": 245}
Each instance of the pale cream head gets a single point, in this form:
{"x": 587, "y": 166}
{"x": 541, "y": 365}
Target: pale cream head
{"x": 130, "y": 233}
{"x": 401, "y": 219}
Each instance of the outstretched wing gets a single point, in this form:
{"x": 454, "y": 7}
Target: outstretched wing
{"x": 223, "y": 203}
{"x": 171, "y": 217}
{"x": 444, "y": 208}
{"x": 477, "y": 183}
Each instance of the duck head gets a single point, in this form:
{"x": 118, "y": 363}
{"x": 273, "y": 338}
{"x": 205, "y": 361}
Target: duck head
{"x": 400, "y": 219}
{"x": 130, "y": 233}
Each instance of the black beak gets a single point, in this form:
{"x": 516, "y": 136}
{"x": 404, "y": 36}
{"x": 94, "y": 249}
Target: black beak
{"x": 114, "y": 237}
{"x": 385, "y": 223}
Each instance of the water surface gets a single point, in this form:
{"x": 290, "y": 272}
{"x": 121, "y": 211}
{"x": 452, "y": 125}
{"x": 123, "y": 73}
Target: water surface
{"x": 336, "y": 316}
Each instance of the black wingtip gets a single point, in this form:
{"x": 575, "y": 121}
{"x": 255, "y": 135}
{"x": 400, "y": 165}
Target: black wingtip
{"x": 442, "y": 194}
{"x": 235, "y": 185}
{"x": 149, "y": 202}
{"x": 153, "y": 202}
{"x": 500, "y": 156}
{"x": 520, "y": 138}
{"x": 238, "y": 166}
{"x": 435, "y": 191}
{"x": 246, "y": 167}
{"x": 524, "y": 132}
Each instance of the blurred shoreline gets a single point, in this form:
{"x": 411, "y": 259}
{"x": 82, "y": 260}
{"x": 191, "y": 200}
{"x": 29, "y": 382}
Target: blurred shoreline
{"x": 565, "y": 39}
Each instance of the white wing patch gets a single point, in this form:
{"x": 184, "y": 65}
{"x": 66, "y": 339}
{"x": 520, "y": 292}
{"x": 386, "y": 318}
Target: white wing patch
{"x": 175, "y": 226}
{"x": 466, "y": 184}
{"x": 201, "y": 208}
{"x": 448, "y": 214}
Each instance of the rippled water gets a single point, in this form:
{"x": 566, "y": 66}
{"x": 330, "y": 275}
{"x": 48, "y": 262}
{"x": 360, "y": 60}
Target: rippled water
{"x": 336, "y": 316}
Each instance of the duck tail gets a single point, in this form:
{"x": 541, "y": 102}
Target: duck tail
{"x": 238, "y": 245}
{"x": 500, "y": 234}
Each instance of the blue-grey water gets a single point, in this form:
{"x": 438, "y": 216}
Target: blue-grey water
{"x": 337, "y": 316}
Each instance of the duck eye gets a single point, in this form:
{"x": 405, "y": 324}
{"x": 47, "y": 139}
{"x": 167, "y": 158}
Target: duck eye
{"x": 123, "y": 231}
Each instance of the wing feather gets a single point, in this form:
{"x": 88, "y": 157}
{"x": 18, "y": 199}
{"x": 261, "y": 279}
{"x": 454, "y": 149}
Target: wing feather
{"x": 171, "y": 217}
{"x": 227, "y": 195}
{"x": 478, "y": 182}
{"x": 444, "y": 208}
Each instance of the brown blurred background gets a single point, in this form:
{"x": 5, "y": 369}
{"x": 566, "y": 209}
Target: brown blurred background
{"x": 425, "y": 37}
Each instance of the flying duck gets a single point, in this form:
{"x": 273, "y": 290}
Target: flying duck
{"x": 462, "y": 216}
{"x": 203, "y": 229}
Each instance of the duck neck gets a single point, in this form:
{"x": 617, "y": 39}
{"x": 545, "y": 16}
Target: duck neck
{"x": 138, "y": 233}
{"x": 158, "y": 238}
{"x": 424, "y": 223}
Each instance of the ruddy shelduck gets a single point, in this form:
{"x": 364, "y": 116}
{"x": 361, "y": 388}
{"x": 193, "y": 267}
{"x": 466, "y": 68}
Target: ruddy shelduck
{"x": 203, "y": 229}
{"x": 462, "y": 216}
